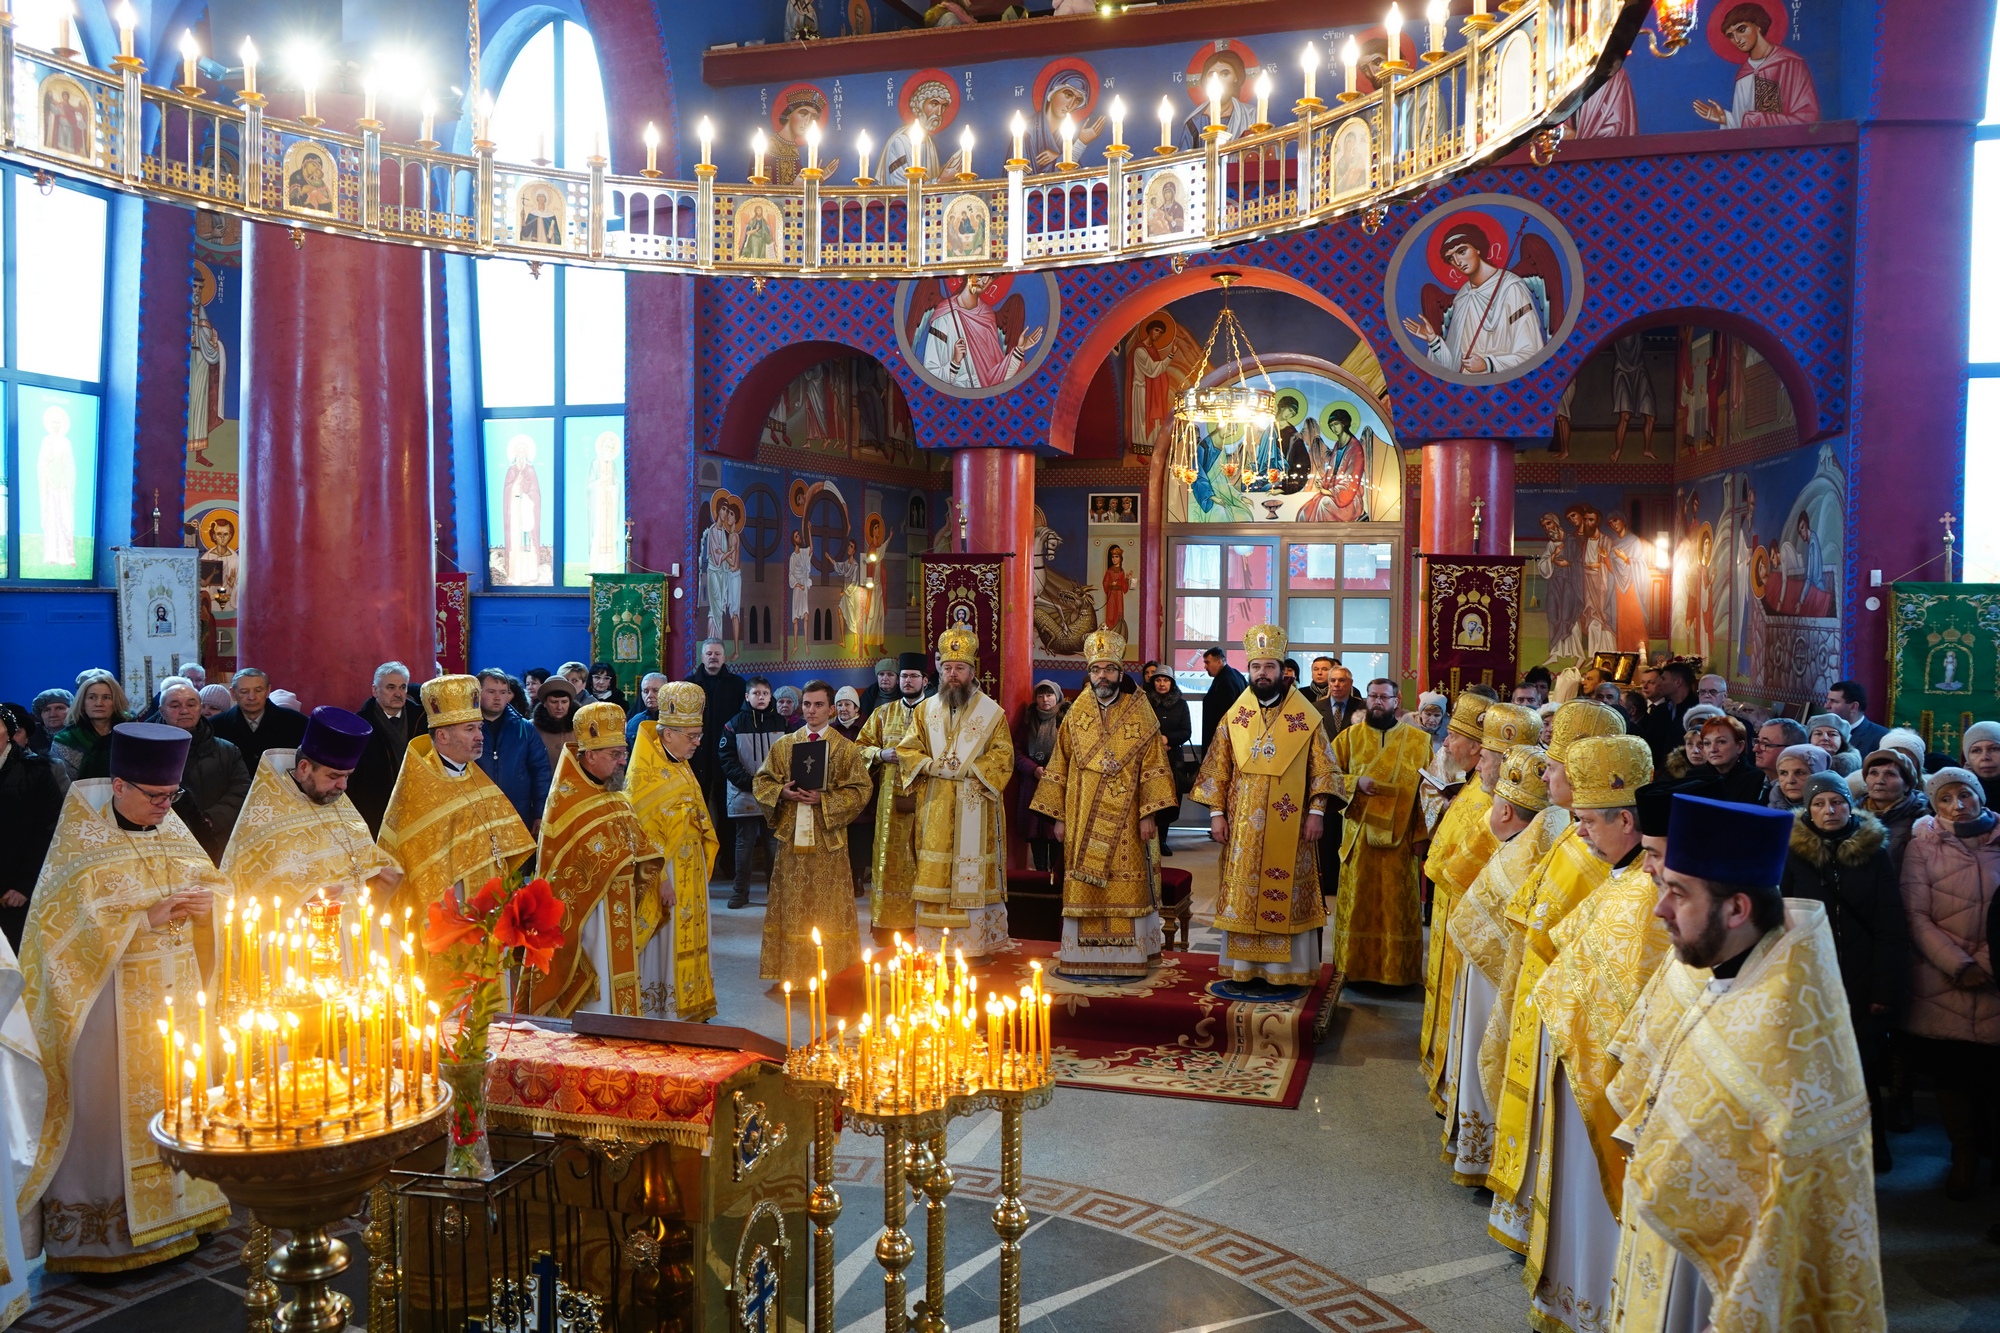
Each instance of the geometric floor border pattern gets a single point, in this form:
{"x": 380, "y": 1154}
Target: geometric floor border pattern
{"x": 1307, "y": 1289}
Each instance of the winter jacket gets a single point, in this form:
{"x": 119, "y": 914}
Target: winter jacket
{"x": 1948, "y": 887}
{"x": 722, "y": 700}
{"x": 746, "y": 739}
{"x": 31, "y": 797}
{"x": 277, "y": 729}
{"x": 1175, "y": 727}
{"x": 512, "y": 754}
{"x": 374, "y": 778}
{"x": 1899, "y": 819}
{"x": 1853, "y": 877}
{"x": 1224, "y": 689}
{"x": 82, "y": 752}
{"x": 215, "y": 782}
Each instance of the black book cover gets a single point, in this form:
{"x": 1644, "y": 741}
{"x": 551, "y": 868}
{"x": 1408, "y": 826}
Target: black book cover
{"x": 809, "y": 765}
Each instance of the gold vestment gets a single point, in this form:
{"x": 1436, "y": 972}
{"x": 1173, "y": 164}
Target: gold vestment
{"x": 593, "y": 850}
{"x": 958, "y": 768}
{"x": 668, "y": 799}
{"x": 895, "y": 860}
{"x": 1460, "y": 847}
{"x": 1378, "y": 928}
{"x": 445, "y": 829}
{"x": 812, "y": 884}
{"x": 288, "y": 845}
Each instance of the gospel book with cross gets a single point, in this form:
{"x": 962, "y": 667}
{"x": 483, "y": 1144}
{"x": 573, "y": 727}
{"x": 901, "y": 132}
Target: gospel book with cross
{"x": 809, "y": 765}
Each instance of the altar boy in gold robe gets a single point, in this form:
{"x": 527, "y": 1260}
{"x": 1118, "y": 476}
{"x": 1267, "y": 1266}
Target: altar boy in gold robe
{"x": 1104, "y": 785}
{"x": 1750, "y": 1194}
{"x": 1379, "y": 929}
{"x": 955, "y": 760}
{"x": 600, "y": 862}
{"x": 107, "y": 940}
{"x": 675, "y": 977}
{"x": 1458, "y": 851}
{"x": 812, "y": 883}
{"x": 1267, "y": 779}
{"x": 447, "y": 824}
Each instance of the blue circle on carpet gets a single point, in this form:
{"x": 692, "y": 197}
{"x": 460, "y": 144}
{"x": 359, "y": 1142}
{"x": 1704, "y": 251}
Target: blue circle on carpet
{"x": 1244, "y": 993}
{"x": 1096, "y": 979}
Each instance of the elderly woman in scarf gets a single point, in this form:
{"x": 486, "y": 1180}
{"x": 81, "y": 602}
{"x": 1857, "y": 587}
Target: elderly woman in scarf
{"x": 1979, "y": 747}
{"x": 1796, "y": 766}
{"x": 1034, "y": 743}
{"x": 1834, "y": 734}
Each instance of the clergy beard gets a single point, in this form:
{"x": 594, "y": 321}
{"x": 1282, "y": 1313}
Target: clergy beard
{"x": 1705, "y": 949}
{"x": 1381, "y": 721}
{"x": 1105, "y": 693}
{"x": 912, "y": 700}
{"x": 955, "y": 696}
{"x": 1270, "y": 694}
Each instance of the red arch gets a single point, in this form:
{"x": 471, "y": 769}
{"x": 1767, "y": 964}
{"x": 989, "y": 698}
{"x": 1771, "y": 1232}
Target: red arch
{"x": 1121, "y": 319}
{"x": 750, "y": 401}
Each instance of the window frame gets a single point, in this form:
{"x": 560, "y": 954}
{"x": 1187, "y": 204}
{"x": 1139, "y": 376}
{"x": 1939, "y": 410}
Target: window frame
{"x": 12, "y": 379}
{"x": 559, "y": 412}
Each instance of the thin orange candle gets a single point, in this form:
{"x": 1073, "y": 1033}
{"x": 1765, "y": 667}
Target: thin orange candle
{"x": 788, "y": 1015}
{"x": 166, "y": 1069}
{"x": 812, "y": 1010}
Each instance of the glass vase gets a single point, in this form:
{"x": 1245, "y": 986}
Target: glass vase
{"x": 468, "y": 1148}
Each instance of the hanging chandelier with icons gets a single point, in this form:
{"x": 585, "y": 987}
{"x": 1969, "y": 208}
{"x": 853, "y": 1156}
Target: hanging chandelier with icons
{"x": 1236, "y": 417}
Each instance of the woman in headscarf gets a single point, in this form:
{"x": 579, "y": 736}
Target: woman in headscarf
{"x": 1979, "y": 747}
{"x": 1796, "y": 765}
{"x": 1034, "y": 743}
{"x": 847, "y": 720}
{"x": 847, "y": 717}
{"x": 1834, "y": 734}
{"x": 1429, "y": 717}
{"x": 1688, "y": 757}
{"x": 786, "y": 700}
{"x": 555, "y": 717}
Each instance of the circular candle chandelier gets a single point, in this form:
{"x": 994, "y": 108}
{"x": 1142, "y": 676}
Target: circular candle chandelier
{"x": 1243, "y": 410}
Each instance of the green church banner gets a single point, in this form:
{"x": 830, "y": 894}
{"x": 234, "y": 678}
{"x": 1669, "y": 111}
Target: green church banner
{"x": 628, "y": 625}
{"x": 1944, "y": 658}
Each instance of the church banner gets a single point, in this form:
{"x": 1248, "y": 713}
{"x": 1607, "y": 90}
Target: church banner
{"x": 454, "y": 624}
{"x": 1472, "y": 621}
{"x": 1944, "y": 658}
{"x": 628, "y": 625}
{"x": 159, "y": 616}
{"x": 965, "y": 590}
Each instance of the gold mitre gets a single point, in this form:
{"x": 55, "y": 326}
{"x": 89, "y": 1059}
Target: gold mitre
{"x": 958, "y": 644}
{"x": 1580, "y": 718}
{"x": 1466, "y": 713}
{"x": 682, "y": 704}
{"x": 1605, "y": 771}
{"x": 450, "y": 700}
{"x": 1523, "y": 778}
{"x": 1103, "y": 646}
{"x": 1505, "y": 726}
{"x": 601, "y": 726}
{"x": 1266, "y": 643}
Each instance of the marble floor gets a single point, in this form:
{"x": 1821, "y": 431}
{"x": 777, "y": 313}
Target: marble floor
{"x": 1170, "y": 1216}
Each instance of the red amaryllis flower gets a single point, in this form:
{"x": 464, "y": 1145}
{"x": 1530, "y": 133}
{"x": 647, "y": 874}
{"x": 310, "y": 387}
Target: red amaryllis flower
{"x": 448, "y": 928}
{"x": 532, "y": 922}
{"x": 486, "y": 900}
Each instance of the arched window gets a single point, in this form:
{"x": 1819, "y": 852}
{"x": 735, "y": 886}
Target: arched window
{"x": 552, "y": 350}
{"x": 1982, "y": 390}
{"x": 51, "y": 376}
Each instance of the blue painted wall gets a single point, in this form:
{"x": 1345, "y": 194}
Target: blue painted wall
{"x": 516, "y": 631}
{"x": 47, "y": 637}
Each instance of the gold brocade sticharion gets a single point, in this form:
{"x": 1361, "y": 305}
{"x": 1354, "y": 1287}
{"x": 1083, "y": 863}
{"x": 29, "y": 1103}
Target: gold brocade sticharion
{"x": 595, "y": 853}
{"x": 1459, "y": 850}
{"x": 1108, "y": 771}
{"x": 668, "y": 799}
{"x": 1379, "y": 929}
{"x": 957, "y": 765}
{"x": 812, "y": 883}
{"x": 446, "y": 829}
{"x": 1275, "y": 762}
{"x": 895, "y": 866}
{"x": 289, "y": 846}
{"x": 97, "y": 975}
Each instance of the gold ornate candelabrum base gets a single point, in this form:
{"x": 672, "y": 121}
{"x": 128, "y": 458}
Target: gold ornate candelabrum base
{"x": 303, "y": 1188}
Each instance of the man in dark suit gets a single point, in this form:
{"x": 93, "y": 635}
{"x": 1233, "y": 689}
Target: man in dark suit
{"x": 396, "y": 724}
{"x": 1225, "y": 686}
{"x": 1669, "y": 693}
{"x": 1340, "y": 705}
{"x": 256, "y": 724}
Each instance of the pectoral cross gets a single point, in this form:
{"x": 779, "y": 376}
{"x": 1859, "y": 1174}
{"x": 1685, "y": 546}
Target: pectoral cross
{"x": 1950, "y": 543}
{"x": 1478, "y": 516}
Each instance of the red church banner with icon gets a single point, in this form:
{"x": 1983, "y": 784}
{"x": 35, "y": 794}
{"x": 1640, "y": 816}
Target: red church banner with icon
{"x": 454, "y": 624}
{"x": 965, "y": 590}
{"x": 1472, "y": 621}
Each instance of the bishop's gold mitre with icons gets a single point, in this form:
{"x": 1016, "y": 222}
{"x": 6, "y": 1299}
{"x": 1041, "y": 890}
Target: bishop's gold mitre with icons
{"x": 1606, "y": 772}
{"x": 1466, "y": 714}
{"x": 1508, "y": 725}
{"x": 1266, "y": 643}
{"x": 601, "y": 726}
{"x": 681, "y": 704}
{"x": 1523, "y": 778}
{"x": 450, "y": 700}
{"x": 1580, "y": 718}
{"x": 1103, "y": 646}
{"x": 958, "y": 644}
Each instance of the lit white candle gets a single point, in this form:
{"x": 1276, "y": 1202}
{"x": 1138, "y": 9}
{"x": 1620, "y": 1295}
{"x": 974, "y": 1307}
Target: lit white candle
{"x": 483, "y": 116}
{"x": 188, "y": 53}
{"x": 1350, "y": 57}
{"x": 1263, "y": 97}
{"x": 429, "y": 109}
{"x": 1214, "y": 91}
{"x": 1309, "y": 66}
{"x": 1438, "y": 12}
{"x": 758, "y": 143}
{"x": 63, "y": 14}
{"x": 704, "y": 132}
{"x": 916, "y": 146}
{"x": 368, "y": 97}
{"x": 652, "y": 137}
{"x": 862, "y": 148}
{"x": 1068, "y": 129}
{"x": 1020, "y": 128}
{"x": 1166, "y": 123}
{"x": 965, "y": 152}
{"x": 1118, "y": 120}
{"x": 250, "y": 67}
{"x": 1392, "y": 28}
{"x": 127, "y": 21}
{"x": 812, "y": 145}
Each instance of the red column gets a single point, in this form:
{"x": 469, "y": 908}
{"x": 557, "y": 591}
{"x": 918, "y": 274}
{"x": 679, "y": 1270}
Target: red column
{"x": 1455, "y": 471}
{"x": 997, "y": 489}
{"x": 337, "y": 562}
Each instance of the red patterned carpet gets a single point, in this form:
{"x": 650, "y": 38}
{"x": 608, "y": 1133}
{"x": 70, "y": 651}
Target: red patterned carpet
{"x": 1182, "y": 1031}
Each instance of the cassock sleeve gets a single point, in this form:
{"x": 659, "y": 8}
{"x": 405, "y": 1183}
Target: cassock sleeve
{"x": 869, "y": 739}
{"x": 1156, "y": 779}
{"x": 995, "y": 764}
{"x": 769, "y": 783}
{"x": 1052, "y": 795}
{"x": 912, "y": 759}
{"x": 1323, "y": 775}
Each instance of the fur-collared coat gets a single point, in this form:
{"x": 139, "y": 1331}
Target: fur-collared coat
{"x": 1855, "y": 879}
